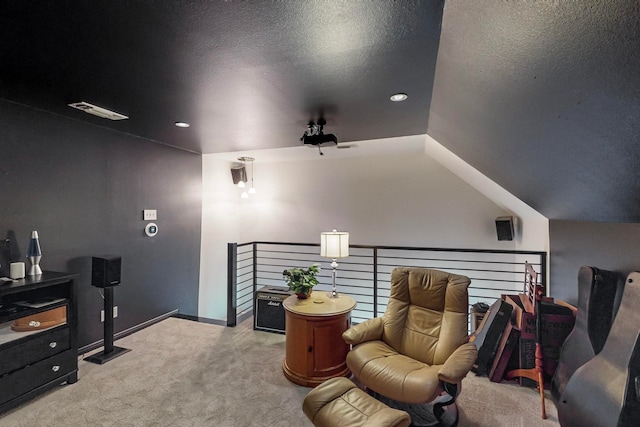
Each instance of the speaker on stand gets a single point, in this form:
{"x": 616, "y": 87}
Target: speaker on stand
{"x": 105, "y": 274}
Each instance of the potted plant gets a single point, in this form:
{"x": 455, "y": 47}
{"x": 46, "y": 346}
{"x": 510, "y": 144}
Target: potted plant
{"x": 301, "y": 280}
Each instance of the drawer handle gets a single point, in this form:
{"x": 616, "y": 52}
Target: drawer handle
{"x": 53, "y": 344}
{"x": 55, "y": 368}
{"x": 34, "y": 323}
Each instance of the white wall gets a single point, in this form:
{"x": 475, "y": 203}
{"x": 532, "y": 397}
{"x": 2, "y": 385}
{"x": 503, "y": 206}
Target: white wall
{"x": 392, "y": 200}
{"x": 405, "y": 199}
{"x": 220, "y": 224}
{"x": 532, "y": 231}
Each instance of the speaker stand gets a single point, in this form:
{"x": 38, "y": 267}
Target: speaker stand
{"x": 110, "y": 351}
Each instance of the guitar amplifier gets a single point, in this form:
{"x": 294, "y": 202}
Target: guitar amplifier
{"x": 269, "y": 310}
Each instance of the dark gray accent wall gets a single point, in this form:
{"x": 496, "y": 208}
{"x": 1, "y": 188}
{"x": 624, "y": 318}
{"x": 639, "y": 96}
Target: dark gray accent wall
{"x": 83, "y": 188}
{"x": 614, "y": 247}
{"x": 543, "y": 97}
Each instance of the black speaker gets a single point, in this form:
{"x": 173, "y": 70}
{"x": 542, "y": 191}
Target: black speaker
{"x": 504, "y": 227}
{"x": 239, "y": 173}
{"x": 270, "y": 315}
{"x": 105, "y": 271}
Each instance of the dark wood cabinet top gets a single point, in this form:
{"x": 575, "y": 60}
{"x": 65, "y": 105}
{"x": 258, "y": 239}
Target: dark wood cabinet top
{"x": 47, "y": 278}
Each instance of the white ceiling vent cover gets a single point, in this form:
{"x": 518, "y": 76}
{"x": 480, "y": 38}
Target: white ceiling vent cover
{"x": 98, "y": 111}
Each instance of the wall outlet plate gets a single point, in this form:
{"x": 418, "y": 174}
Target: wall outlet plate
{"x": 149, "y": 214}
{"x": 115, "y": 313}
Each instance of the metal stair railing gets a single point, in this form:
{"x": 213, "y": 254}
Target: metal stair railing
{"x": 365, "y": 274}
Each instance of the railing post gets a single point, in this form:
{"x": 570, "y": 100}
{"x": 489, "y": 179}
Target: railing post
{"x": 375, "y": 282}
{"x": 543, "y": 272}
{"x": 232, "y": 283}
{"x": 255, "y": 277}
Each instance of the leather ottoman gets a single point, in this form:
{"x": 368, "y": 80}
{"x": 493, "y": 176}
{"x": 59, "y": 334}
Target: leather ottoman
{"x": 338, "y": 402}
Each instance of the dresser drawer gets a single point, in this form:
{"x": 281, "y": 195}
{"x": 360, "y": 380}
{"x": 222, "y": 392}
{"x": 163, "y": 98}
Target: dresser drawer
{"x": 33, "y": 349}
{"x": 24, "y": 380}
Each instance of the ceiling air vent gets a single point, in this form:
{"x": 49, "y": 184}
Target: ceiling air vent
{"x": 98, "y": 111}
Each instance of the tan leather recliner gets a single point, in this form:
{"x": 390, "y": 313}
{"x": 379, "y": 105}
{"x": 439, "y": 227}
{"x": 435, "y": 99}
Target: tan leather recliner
{"x": 419, "y": 347}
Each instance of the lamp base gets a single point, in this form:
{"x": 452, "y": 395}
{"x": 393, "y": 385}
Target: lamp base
{"x": 333, "y": 294}
{"x": 34, "y": 270}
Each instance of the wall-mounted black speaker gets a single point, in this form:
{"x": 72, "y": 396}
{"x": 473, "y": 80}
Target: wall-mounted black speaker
{"x": 105, "y": 271}
{"x": 239, "y": 173}
{"x": 504, "y": 227}
{"x": 270, "y": 315}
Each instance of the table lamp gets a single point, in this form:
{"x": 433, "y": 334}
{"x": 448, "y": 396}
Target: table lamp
{"x": 334, "y": 245}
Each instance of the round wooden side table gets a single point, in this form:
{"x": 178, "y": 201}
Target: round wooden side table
{"x": 315, "y": 350}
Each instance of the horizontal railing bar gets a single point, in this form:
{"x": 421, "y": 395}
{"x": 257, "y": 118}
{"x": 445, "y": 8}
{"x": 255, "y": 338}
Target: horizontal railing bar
{"x": 246, "y": 284}
{"x": 338, "y": 279}
{"x": 345, "y": 261}
{"x": 342, "y": 262}
{"x": 452, "y": 260}
{"x": 412, "y": 248}
{"x": 244, "y": 274}
{"x": 244, "y": 295}
{"x": 323, "y": 269}
{"x": 513, "y": 266}
{"x": 475, "y": 289}
{"x": 245, "y": 303}
{"x": 244, "y": 280}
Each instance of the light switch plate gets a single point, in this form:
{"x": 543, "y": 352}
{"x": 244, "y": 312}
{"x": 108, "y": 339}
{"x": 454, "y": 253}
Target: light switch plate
{"x": 149, "y": 214}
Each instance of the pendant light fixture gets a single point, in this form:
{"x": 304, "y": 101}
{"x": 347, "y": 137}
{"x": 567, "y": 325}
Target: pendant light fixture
{"x": 252, "y": 190}
{"x": 242, "y": 184}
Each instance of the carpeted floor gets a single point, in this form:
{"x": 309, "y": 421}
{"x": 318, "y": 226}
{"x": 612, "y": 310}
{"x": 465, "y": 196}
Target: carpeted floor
{"x": 184, "y": 373}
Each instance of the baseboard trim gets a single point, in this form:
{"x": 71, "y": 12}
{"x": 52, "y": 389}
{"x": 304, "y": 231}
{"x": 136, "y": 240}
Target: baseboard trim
{"x": 243, "y": 317}
{"x": 90, "y": 347}
{"x": 200, "y": 319}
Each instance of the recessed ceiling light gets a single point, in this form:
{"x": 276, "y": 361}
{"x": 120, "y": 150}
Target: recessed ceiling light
{"x": 396, "y": 97}
{"x": 182, "y": 124}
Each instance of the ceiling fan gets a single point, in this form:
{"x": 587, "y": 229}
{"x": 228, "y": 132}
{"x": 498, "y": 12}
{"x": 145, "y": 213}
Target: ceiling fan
{"x": 315, "y": 136}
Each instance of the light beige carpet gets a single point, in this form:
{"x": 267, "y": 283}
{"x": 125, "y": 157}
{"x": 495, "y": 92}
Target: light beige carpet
{"x": 184, "y": 373}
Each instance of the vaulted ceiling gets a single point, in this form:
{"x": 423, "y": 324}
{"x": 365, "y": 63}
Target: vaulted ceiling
{"x": 542, "y": 97}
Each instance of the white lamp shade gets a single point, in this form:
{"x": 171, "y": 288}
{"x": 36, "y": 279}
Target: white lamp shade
{"x": 334, "y": 244}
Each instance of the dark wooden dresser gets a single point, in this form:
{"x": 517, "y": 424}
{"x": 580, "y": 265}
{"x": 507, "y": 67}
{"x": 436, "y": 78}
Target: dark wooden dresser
{"x": 38, "y": 347}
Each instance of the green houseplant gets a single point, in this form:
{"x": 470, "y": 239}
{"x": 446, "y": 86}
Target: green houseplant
{"x": 301, "y": 280}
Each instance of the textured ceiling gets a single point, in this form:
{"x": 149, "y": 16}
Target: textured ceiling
{"x": 245, "y": 75}
{"x": 544, "y": 98}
